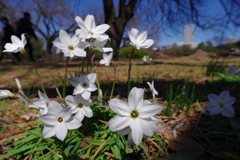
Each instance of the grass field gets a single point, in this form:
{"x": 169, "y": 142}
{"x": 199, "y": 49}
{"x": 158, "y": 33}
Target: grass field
{"x": 169, "y": 73}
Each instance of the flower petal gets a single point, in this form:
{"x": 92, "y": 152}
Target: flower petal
{"x": 92, "y": 77}
{"x": 54, "y": 107}
{"x": 79, "y": 115}
{"x": 74, "y": 123}
{"x": 147, "y": 43}
{"x": 149, "y": 110}
{"x": 118, "y": 123}
{"x": 78, "y": 90}
{"x": 137, "y": 130}
{"x": 214, "y": 99}
{"x": 146, "y": 127}
{"x": 86, "y": 94}
{"x": 228, "y": 112}
{"x": 50, "y": 119}
{"x": 81, "y": 24}
{"x": 135, "y": 98}
{"x": 213, "y": 108}
{"x": 65, "y": 113}
{"x": 79, "y": 52}
{"x": 23, "y": 39}
{"x": 61, "y": 131}
{"x": 48, "y": 131}
{"x": 120, "y": 107}
{"x": 64, "y": 37}
{"x": 228, "y": 102}
{"x": 74, "y": 81}
{"x": 133, "y": 35}
{"x": 124, "y": 131}
{"x": 16, "y": 41}
{"x": 92, "y": 87}
{"x": 70, "y": 101}
{"x": 141, "y": 37}
{"x": 89, "y": 22}
{"x": 87, "y": 111}
{"x": 43, "y": 96}
{"x": 101, "y": 29}
{"x": 60, "y": 45}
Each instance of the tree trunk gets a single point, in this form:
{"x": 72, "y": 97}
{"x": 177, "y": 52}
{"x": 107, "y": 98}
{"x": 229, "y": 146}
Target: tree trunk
{"x": 117, "y": 24}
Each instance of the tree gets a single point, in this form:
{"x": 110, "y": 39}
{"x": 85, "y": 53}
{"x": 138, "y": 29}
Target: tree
{"x": 169, "y": 15}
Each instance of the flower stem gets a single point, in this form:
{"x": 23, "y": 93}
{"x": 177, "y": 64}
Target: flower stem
{"x": 113, "y": 86}
{"x": 65, "y": 79}
{"x": 130, "y": 67}
{"x": 38, "y": 75}
{"x": 8, "y": 122}
{"x": 80, "y": 134}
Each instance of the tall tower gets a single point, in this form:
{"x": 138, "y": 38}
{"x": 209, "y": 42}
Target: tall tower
{"x": 188, "y": 33}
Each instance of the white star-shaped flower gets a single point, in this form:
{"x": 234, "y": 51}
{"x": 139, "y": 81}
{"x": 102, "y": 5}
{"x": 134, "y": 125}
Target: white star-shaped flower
{"x": 42, "y": 103}
{"x": 80, "y": 106}
{"x": 89, "y": 28}
{"x": 154, "y": 92}
{"x": 84, "y": 85}
{"x": 106, "y": 59}
{"x": 98, "y": 45}
{"x": 221, "y": 104}
{"x": 135, "y": 118}
{"x": 139, "y": 40}
{"x": 70, "y": 46}
{"x": 145, "y": 59}
{"x": 58, "y": 121}
{"x": 17, "y": 45}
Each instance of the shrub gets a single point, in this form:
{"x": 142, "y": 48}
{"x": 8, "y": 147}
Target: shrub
{"x": 126, "y": 51}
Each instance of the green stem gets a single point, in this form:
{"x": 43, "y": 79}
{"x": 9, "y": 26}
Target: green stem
{"x": 80, "y": 134}
{"x": 99, "y": 90}
{"x": 65, "y": 79}
{"x": 113, "y": 86}
{"x": 59, "y": 95}
{"x": 130, "y": 67}
{"x": 38, "y": 75}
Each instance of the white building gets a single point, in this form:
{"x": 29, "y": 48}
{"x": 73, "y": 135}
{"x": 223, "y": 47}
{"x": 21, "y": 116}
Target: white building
{"x": 188, "y": 36}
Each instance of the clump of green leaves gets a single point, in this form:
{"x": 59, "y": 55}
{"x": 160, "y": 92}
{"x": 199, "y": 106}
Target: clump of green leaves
{"x": 181, "y": 98}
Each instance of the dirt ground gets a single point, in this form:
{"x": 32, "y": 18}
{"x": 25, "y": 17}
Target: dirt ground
{"x": 162, "y": 68}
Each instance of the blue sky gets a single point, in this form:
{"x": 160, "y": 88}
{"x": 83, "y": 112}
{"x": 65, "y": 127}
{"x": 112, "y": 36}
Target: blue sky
{"x": 171, "y": 37}
{"x": 213, "y": 8}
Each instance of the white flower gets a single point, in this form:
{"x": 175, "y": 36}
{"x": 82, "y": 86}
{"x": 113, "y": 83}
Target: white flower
{"x": 106, "y": 59}
{"x": 5, "y": 94}
{"x": 154, "y": 92}
{"x": 145, "y": 59}
{"x": 89, "y": 28}
{"x": 42, "y": 103}
{"x": 84, "y": 85}
{"x": 16, "y": 45}
{"x": 139, "y": 40}
{"x": 58, "y": 121}
{"x": 80, "y": 106}
{"x": 98, "y": 45}
{"x": 221, "y": 104}
{"x": 134, "y": 118}
{"x": 70, "y": 46}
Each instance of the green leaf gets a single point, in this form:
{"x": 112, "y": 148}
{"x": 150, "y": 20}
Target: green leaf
{"x": 31, "y": 122}
{"x": 98, "y": 143}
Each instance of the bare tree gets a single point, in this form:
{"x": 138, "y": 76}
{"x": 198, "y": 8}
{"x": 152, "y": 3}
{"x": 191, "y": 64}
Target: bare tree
{"x": 169, "y": 14}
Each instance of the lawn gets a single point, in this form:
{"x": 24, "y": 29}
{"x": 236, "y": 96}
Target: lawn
{"x": 182, "y": 85}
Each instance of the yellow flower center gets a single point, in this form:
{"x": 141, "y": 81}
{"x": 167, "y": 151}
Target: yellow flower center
{"x": 221, "y": 105}
{"x": 80, "y": 105}
{"x": 134, "y": 114}
{"x": 94, "y": 47}
{"x": 60, "y": 119}
{"x": 84, "y": 84}
{"x": 70, "y": 48}
{"x": 89, "y": 32}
